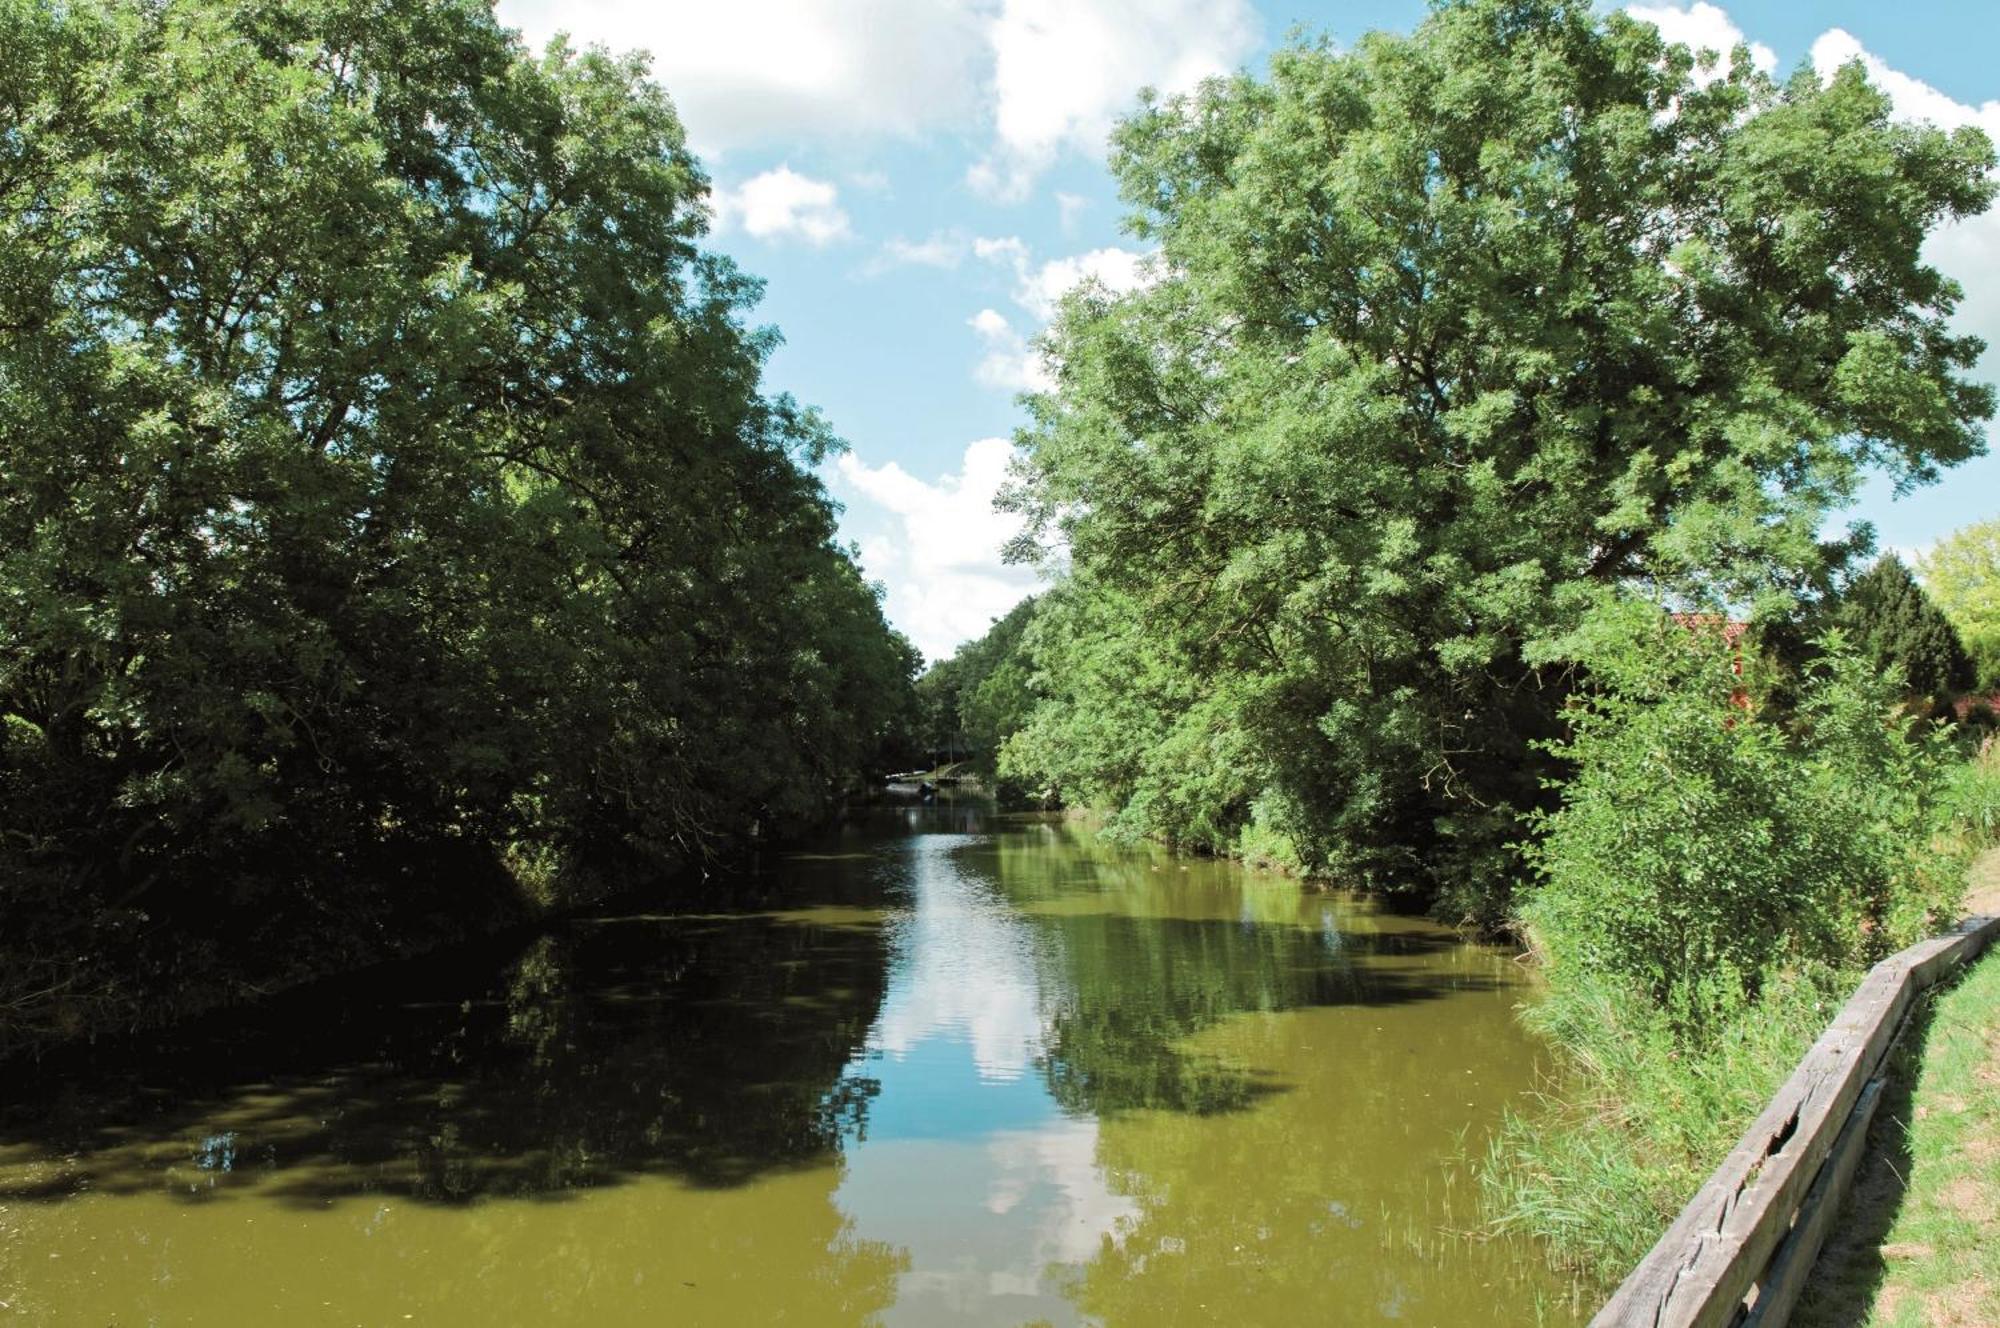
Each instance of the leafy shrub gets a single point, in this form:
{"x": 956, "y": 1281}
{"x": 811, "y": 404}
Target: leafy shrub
{"x": 1701, "y": 844}
{"x": 1715, "y": 876}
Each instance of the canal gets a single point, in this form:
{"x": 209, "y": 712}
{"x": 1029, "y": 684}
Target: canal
{"x": 948, "y": 1067}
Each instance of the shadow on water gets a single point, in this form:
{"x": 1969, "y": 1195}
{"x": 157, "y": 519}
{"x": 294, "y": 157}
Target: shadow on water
{"x": 708, "y": 1049}
{"x": 712, "y": 1048}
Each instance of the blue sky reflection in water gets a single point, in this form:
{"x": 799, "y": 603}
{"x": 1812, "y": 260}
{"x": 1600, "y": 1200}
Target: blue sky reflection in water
{"x": 969, "y": 1164}
{"x": 1020, "y": 962}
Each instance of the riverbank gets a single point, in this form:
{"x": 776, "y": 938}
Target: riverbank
{"x": 1917, "y": 1244}
{"x": 1699, "y": 934}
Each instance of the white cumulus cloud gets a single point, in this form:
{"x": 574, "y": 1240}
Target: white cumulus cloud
{"x": 781, "y": 204}
{"x": 942, "y": 561}
{"x": 1011, "y": 362}
{"x": 753, "y": 72}
{"x": 1704, "y": 27}
{"x": 1065, "y": 70}
{"x": 1044, "y": 76}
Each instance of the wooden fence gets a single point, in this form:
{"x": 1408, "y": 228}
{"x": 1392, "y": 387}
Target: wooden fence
{"x": 1740, "y": 1251}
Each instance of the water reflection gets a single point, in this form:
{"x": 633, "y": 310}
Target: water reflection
{"x": 942, "y": 1069}
{"x": 966, "y": 969}
{"x": 970, "y": 1167}
{"x": 709, "y": 1049}
{"x": 1153, "y": 950}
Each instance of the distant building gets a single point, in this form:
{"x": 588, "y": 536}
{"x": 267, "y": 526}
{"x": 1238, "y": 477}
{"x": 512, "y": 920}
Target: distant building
{"x": 1731, "y": 632}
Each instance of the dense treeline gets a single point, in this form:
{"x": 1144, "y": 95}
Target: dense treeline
{"x": 1458, "y": 507}
{"x": 969, "y": 704}
{"x": 1455, "y": 338}
{"x": 388, "y": 502}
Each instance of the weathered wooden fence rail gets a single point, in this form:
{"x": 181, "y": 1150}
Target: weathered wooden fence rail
{"x": 1740, "y": 1251}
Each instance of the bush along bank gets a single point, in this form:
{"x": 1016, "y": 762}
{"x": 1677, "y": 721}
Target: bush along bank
{"x": 1716, "y": 878}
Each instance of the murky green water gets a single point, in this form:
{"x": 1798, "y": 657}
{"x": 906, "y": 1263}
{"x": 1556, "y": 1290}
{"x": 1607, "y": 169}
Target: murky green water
{"x": 953, "y": 1069}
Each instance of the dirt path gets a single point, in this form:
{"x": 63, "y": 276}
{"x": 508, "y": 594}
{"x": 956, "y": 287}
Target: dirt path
{"x": 1985, "y": 877}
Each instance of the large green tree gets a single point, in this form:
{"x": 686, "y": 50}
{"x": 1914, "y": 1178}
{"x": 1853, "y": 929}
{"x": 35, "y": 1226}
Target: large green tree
{"x": 1899, "y": 628}
{"x": 1962, "y": 573}
{"x": 384, "y": 468}
{"x": 1451, "y": 334}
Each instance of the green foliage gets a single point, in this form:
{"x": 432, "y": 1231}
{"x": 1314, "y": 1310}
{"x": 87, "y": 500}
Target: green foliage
{"x": 1448, "y": 332}
{"x": 384, "y": 474}
{"x": 1107, "y": 737}
{"x": 1890, "y": 617}
{"x": 1638, "y": 1117}
{"x": 971, "y": 703}
{"x": 1714, "y": 882}
{"x": 1962, "y": 574}
{"x": 1975, "y": 795}
{"x": 1700, "y": 847}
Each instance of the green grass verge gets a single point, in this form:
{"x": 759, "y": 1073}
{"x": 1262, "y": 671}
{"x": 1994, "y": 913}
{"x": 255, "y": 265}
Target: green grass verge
{"x": 1635, "y": 1119}
{"x": 1634, "y": 1122}
{"x": 1918, "y": 1243}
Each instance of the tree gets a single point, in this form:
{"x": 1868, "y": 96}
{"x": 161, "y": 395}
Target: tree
{"x": 1962, "y": 574}
{"x": 1898, "y": 627}
{"x": 387, "y": 476}
{"x": 1703, "y": 843}
{"x": 976, "y": 699}
{"x": 1450, "y": 334}
{"x": 998, "y": 688}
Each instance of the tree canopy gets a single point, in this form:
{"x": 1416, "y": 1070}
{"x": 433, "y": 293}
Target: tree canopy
{"x": 383, "y": 464}
{"x": 1899, "y": 628}
{"x": 1452, "y": 335}
{"x": 972, "y": 702}
{"x": 1962, "y": 574}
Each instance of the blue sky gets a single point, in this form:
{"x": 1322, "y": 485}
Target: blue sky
{"x": 918, "y": 180}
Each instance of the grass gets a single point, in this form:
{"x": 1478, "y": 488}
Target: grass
{"x": 1918, "y": 1243}
{"x": 1602, "y": 1164}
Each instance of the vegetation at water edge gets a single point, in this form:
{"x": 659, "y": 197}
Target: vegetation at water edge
{"x": 1716, "y": 880}
{"x": 391, "y": 516}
